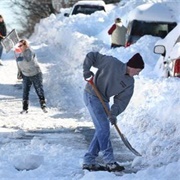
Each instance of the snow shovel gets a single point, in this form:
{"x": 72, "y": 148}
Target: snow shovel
{"x": 124, "y": 139}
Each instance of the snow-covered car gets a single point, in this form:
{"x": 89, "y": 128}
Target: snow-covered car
{"x": 153, "y": 19}
{"x": 169, "y": 48}
{"x": 86, "y": 7}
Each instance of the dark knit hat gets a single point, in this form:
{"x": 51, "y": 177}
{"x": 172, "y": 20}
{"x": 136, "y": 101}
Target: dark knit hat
{"x": 136, "y": 62}
{"x": 117, "y": 20}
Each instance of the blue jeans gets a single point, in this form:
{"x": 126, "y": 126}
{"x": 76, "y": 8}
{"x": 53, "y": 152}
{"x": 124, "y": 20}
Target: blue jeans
{"x": 101, "y": 140}
{"x": 37, "y": 82}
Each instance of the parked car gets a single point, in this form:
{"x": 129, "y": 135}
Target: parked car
{"x": 86, "y": 7}
{"x": 149, "y": 19}
{"x": 169, "y": 48}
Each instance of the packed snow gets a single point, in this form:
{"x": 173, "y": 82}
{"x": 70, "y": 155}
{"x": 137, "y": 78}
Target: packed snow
{"x": 51, "y": 145}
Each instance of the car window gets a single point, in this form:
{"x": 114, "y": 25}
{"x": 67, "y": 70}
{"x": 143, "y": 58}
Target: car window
{"x": 87, "y": 9}
{"x": 141, "y": 28}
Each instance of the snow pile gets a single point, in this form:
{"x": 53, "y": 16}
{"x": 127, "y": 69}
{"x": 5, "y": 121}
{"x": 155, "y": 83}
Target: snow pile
{"x": 27, "y": 162}
{"x": 153, "y": 111}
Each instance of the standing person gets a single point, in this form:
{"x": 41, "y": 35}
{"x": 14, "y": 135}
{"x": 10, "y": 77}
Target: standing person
{"x": 112, "y": 79}
{"x": 118, "y": 34}
{"x": 31, "y": 74}
{"x": 3, "y": 32}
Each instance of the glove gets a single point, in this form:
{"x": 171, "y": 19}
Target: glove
{"x": 19, "y": 58}
{"x": 2, "y": 36}
{"x": 19, "y": 75}
{"x": 112, "y": 119}
{"x": 88, "y": 74}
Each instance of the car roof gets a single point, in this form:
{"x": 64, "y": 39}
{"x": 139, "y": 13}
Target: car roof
{"x": 97, "y": 3}
{"x": 152, "y": 12}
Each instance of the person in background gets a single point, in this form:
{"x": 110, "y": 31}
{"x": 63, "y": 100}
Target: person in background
{"x": 3, "y": 32}
{"x": 118, "y": 34}
{"x": 112, "y": 79}
{"x": 31, "y": 74}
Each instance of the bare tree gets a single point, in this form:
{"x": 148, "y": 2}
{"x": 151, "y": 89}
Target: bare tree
{"x": 30, "y": 12}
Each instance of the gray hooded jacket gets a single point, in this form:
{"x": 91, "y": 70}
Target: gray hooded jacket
{"x": 28, "y": 64}
{"x": 111, "y": 80}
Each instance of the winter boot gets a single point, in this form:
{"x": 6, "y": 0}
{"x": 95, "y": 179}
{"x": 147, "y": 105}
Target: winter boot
{"x": 93, "y": 167}
{"x": 43, "y": 105}
{"x": 112, "y": 167}
{"x": 25, "y": 106}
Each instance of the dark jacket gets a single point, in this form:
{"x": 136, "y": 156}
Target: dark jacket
{"x": 3, "y": 30}
{"x": 111, "y": 80}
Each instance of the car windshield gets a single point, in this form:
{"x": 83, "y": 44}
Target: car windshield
{"x": 159, "y": 29}
{"x": 87, "y": 9}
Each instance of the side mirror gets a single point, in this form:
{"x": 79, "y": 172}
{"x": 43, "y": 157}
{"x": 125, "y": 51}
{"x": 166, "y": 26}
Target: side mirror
{"x": 160, "y": 49}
